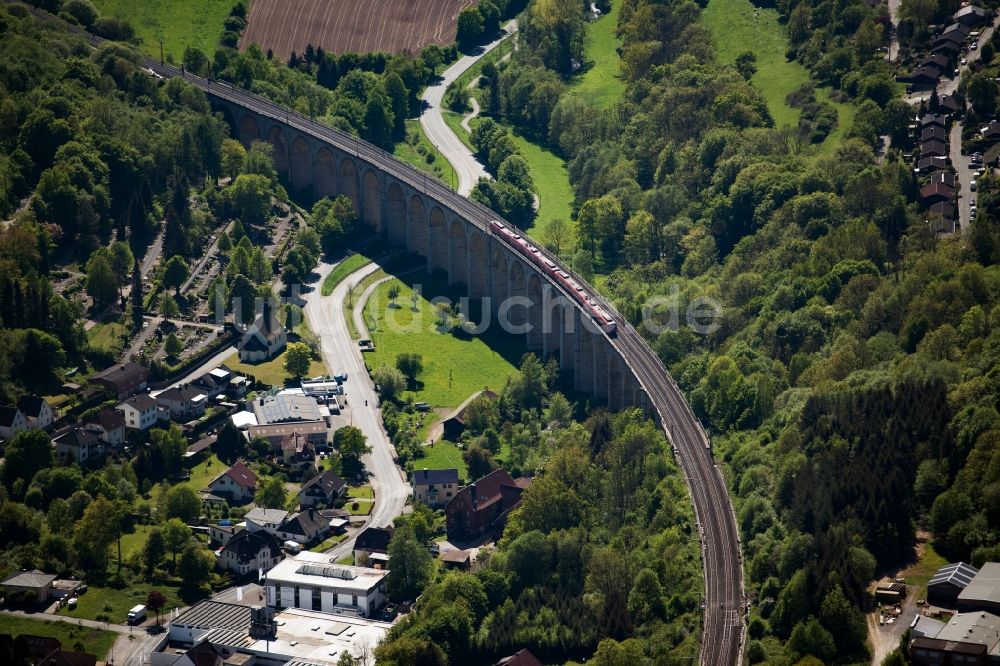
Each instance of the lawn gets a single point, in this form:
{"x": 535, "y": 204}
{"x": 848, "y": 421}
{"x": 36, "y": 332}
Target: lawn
{"x": 429, "y": 160}
{"x": 94, "y": 641}
{"x": 270, "y": 372}
{"x": 454, "y": 366}
{"x": 555, "y": 195}
{"x": 442, "y": 455}
{"x": 132, "y": 542}
{"x": 454, "y": 122}
{"x": 736, "y": 31}
{"x": 365, "y": 492}
{"x": 364, "y": 507}
{"x": 601, "y": 84}
{"x": 179, "y": 23}
{"x": 115, "y": 603}
{"x": 342, "y": 270}
{"x": 106, "y": 337}
{"x": 917, "y": 575}
{"x": 329, "y": 543}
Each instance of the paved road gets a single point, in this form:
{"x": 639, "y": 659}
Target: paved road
{"x": 210, "y": 364}
{"x": 467, "y": 167}
{"x": 894, "y": 6}
{"x": 341, "y": 353}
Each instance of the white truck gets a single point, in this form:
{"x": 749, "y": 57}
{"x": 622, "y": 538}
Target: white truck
{"x": 137, "y": 614}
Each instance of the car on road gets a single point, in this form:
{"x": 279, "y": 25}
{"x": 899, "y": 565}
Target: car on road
{"x": 972, "y": 186}
{"x": 973, "y": 46}
{"x": 965, "y": 61}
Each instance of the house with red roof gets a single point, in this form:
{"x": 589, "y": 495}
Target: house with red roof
{"x": 237, "y": 484}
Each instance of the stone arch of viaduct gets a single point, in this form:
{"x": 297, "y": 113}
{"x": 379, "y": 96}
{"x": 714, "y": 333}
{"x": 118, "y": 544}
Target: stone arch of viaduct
{"x": 516, "y": 291}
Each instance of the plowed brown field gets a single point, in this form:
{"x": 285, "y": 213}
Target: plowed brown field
{"x": 342, "y": 26}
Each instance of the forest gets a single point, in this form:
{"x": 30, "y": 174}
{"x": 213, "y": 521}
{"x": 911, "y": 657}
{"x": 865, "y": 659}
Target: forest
{"x": 848, "y": 386}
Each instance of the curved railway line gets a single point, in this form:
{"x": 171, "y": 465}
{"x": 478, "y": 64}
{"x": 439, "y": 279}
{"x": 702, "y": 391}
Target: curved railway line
{"x": 723, "y": 636}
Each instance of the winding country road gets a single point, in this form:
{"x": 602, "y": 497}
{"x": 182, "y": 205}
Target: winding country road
{"x": 466, "y": 165}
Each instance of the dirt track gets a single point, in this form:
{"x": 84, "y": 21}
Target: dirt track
{"x": 342, "y": 26}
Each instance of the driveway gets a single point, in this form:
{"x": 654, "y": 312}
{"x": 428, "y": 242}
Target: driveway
{"x": 341, "y": 353}
{"x": 467, "y": 167}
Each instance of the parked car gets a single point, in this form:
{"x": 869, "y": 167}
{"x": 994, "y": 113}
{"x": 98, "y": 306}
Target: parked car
{"x": 973, "y": 46}
{"x": 972, "y": 186}
{"x": 71, "y": 602}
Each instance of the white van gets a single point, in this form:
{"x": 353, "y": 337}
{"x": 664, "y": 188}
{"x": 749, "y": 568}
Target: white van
{"x": 137, "y": 614}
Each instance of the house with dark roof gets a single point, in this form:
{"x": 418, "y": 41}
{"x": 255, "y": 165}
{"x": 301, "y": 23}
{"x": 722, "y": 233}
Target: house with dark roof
{"x": 185, "y": 402}
{"x": 522, "y": 657}
{"x": 482, "y": 507}
{"x": 946, "y": 177}
{"x": 237, "y": 484}
{"x": 265, "y": 338}
{"x": 322, "y": 490}
{"x": 932, "y": 120}
{"x": 949, "y": 104}
{"x": 124, "y": 380}
{"x": 971, "y": 15}
{"x": 139, "y": 411}
{"x": 78, "y": 445}
{"x": 933, "y": 148}
{"x": 372, "y": 545}
{"x": 928, "y": 164}
{"x": 933, "y": 132}
{"x": 921, "y": 77}
{"x": 956, "y": 33}
{"x": 435, "y": 487}
{"x": 945, "y": 585}
{"x": 108, "y": 425}
{"x": 12, "y": 421}
{"x": 947, "y": 48}
{"x": 202, "y": 654}
{"x": 992, "y": 131}
{"x": 247, "y": 552}
{"x": 38, "y": 412}
{"x": 933, "y": 193}
{"x": 304, "y": 527}
{"x": 938, "y": 62}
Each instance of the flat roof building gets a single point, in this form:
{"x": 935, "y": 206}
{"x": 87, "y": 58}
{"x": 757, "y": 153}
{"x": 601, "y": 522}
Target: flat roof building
{"x": 314, "y": 581}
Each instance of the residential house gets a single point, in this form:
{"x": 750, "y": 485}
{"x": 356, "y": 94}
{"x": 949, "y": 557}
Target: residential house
{"x": 297, "y": 449}
{"x": 933, "y": 193}
{"x": 932, "y": 163}
{"x": 237, "y": 484}
{"x": 956, "y": 33}
{"x": 196, "y": 452}
{"x": 259, "y": 519}
{"x": 947, "y": 48}
{"x": 124, "y": 380}
{"x": 948, "y": 582}
{"x": 520, "y": 658}
{"x": 264, "y": 339}
{"x": 45, "y": 651}
{"x": 78, "y": 445}
{"x": 222, "y": 532}
{"x": 946, "y": 177}
{"x": 435, "y": 487}
{"x": 938, "y": 62}
{"x": 35, "y": 584}
{"x": 304, "y": 527}
{"x": 185, "y": 402}
{"x": 208, "y": 385}
{"x": 372, "y": 545}
{"x": 38, "y": 413}
{"x": 992, "y": 131}
{"x": 933, "y": 148}
{"x": 482, "y": 507}
{"x": 455, "y": 558}
{"x": 942, "y": 216}
{"x": 315, "y": 582}
{"x": 933, "y": 120}
{"x": 12, "y": 421}
{"x": 202, "y": 654}
{"x": 108, "y": 425}
{"x": 933, "y": 132}
{"x": 921, "y": 77}
{"x": 949, "y": 104}
{"x": 322, "y": 490}
{"x": 139, "y": 411}
{"x": 971, "y": 16}
{"x": 315, "y": 431}
{"x": 247, "y": 552}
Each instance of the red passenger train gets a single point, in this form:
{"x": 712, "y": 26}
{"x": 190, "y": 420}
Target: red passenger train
{"x": 547, "y": 266}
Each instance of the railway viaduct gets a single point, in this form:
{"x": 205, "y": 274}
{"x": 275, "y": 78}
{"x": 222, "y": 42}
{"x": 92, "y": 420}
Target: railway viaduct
{"x": 411, "y": 215}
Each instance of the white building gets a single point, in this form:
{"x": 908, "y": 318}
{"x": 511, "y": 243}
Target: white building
{"x": 108, "y": 425}
{"x": 184, "y": 402}
{"x": 12, "y": 421}
{"x": 38, "y": 413}
{"x": 78, "y": 445}
{"x": 237, "y": 484}
{"x": 139, "y": 411}
{"x": 248, "y": 552}
{"x": 264, "y": 339}
{"x": 314, "y": 581}
{"x": 265, "y": 520}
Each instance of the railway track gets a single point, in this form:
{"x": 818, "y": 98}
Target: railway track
{"x": 723, "y": 627}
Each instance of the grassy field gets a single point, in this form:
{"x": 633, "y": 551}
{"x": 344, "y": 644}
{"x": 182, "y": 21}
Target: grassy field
{"x": 179, "y": 23}
{"x": 270, "y": 372}
{"x": 438, "y": 166}
{"x": 917, "y": 575}
{"x": 329, "y": 543}
{"x": 442, "y": 455}
{"x": 365, "y": 492}
{"x": 342, "y": 270}
{"x": 454, "y": 367}
{"x": 116, "y": 602}
{"x": 555, "y": 195}
{"x": 106, "y": 337}
{"x": 454, "y": 121}
{"x": 600, "y": 84}
{"x": 735, "y": 29}
{"x": 94, "y": 641}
